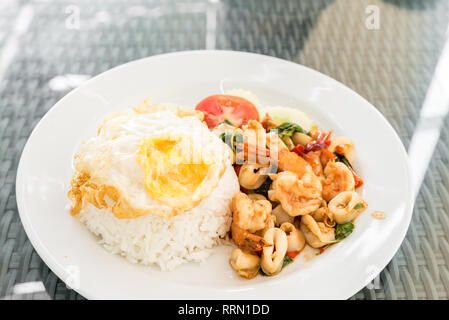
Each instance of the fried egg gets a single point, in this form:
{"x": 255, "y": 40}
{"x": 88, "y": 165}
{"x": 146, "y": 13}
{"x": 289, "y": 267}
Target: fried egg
{"x": 149, "y": 160}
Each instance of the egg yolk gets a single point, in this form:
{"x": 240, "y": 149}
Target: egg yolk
{"x": 174, "y": 168}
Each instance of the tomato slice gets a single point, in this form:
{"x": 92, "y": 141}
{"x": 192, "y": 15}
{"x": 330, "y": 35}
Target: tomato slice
{"x": 221, "y": 107}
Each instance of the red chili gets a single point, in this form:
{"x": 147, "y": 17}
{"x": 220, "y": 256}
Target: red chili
{"x": 292, "y": 254}
{"x": 322, "y": 141}
{"x": 358, "y": 181}
{"x": 298, "y": 149}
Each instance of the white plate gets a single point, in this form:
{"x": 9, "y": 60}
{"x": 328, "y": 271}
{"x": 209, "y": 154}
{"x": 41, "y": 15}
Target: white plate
{"x": 74, "y": 255}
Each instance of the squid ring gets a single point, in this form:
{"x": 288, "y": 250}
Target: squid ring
{"x": 273, "y": 256}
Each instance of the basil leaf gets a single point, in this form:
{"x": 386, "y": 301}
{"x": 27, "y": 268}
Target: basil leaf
{"x": 287, "y": 260}
{"x": 262, "y": 273}
{"x": 231, "y": 138}
{"x": 226, "y": 122}
{"x": 358, "y": 206}
{"x": 343, "y": 230}
{"x": 263, "y": 189}
{"x": 287, "y": 129}
{"x": 226, "y": 137}
{"x": 342, "y": 158}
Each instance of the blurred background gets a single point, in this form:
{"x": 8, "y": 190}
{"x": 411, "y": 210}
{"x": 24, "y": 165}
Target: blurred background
{"x": 395, "y": 53}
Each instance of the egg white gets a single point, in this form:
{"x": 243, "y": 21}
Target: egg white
{"x": 111, "y": 158}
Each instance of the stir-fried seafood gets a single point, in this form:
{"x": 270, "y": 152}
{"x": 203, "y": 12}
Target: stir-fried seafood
{"x": 307, "y": 175}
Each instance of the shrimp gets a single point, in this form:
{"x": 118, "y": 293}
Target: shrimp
{"x": 249, "y": 241}
{"x": 318, "y": 160}
{"x": 290, "y": 161}
{"x": 338, "y": 179}
{"x": 249, "y": 216}
{"x": 313, "y": 159}
{"x": 270, "y": 223}
{"x": 297, "y": 196}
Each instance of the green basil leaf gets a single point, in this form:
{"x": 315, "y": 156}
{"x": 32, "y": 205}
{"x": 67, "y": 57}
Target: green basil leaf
{"x": 343, "y": 230}
{"x": 342, "y": 158}
{"x": 287, "y": 260}
{"x": 288, "y": 129}
{"x": 227, "y": 122}
{"x": 231, "y": 138}
{"x": 358, "y": 206}
{"x": 226, "y": 137}
{"x": 263, "y": 189}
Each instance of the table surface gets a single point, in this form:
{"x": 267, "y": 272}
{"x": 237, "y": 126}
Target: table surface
{"x": 393, "y": 53}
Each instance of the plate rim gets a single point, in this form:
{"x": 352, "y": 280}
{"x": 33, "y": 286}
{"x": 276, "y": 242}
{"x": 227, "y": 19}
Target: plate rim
{"x": 52, "y": 263}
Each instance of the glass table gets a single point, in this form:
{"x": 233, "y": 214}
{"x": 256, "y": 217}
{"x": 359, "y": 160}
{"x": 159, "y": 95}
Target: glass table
{"x": 395, "y": 53}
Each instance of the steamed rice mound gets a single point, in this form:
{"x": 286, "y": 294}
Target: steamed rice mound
{"x": 150, "y": 239}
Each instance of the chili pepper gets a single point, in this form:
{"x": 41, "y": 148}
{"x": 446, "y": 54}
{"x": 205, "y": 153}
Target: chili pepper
{"x": 292, "y": 254}
{"x": 322, "y": 141}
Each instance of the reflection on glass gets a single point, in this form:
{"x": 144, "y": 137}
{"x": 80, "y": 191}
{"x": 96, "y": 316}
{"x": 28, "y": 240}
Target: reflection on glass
{"x": 432, "y": 115}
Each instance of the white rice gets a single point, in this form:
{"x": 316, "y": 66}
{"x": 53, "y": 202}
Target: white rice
{"x": 150, "y": 239}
